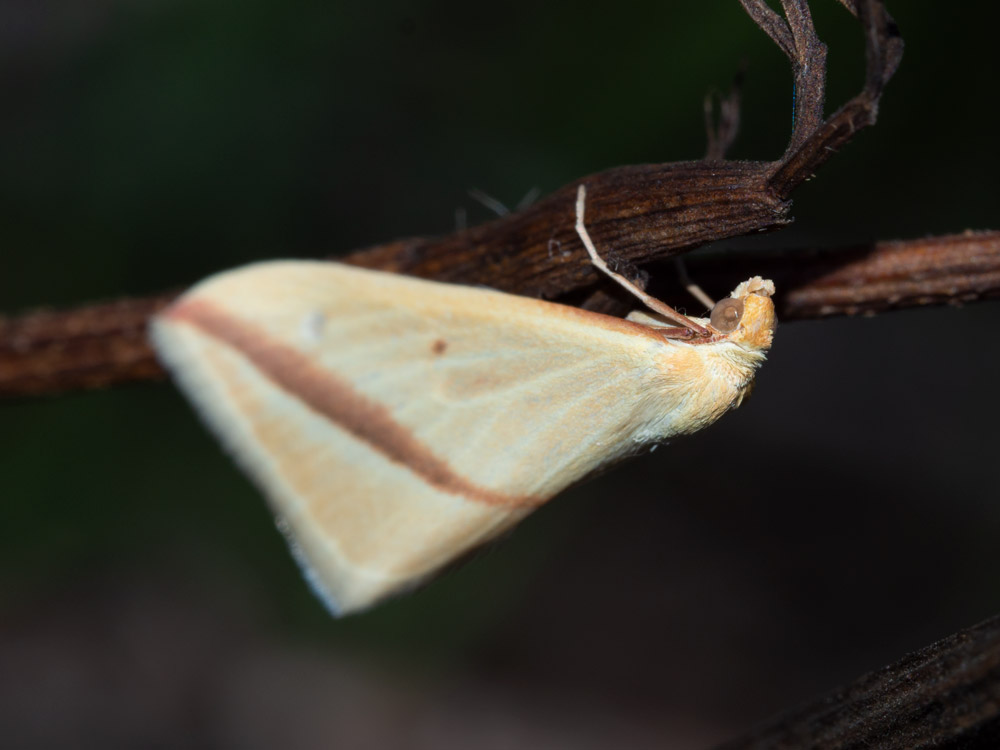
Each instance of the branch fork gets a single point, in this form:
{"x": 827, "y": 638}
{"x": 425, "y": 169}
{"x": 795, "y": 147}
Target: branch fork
{"x": 637, "y": 213}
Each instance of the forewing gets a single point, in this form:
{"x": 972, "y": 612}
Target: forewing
{"x": 396, "y": 423}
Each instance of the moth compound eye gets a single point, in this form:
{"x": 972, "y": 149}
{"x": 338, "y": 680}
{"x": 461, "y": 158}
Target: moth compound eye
{"x": 726, "y": 314}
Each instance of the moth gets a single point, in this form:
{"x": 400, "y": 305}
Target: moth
{"x": 396, "y": 423}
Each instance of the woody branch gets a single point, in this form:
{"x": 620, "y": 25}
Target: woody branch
{"x": 945, "y": 696}
{"x": 642, "y": 213}
{"x": 103, "y": 345}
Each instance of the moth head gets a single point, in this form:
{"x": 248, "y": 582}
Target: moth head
{"x": 747, "y": 316}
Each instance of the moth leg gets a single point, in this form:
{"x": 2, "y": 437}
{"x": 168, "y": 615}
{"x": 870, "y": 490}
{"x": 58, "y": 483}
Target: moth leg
{"x": 693, "y": 289}
{"x": 489, "y": 201}
{"x": 529, "y": 198}
{"x": 651, "y": 302}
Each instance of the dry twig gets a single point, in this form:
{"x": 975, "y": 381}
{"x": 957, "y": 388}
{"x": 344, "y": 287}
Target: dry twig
{"x": 103, "y": 345}
{"x": 945, "y": 696}
{"x": 642, "y": 212}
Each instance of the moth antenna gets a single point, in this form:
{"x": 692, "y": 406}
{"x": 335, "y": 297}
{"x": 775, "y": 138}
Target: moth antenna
{"x": 693, "y": 289}
{"x": 648, "y": 300}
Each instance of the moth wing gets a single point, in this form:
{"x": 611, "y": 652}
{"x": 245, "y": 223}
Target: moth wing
{"x": 396, "y": 423}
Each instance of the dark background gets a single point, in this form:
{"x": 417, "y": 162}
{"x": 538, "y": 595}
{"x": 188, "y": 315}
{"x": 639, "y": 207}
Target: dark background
{"x": 843, "y": 516}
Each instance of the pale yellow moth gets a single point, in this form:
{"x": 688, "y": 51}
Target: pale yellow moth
{"x": 395, "y": 423}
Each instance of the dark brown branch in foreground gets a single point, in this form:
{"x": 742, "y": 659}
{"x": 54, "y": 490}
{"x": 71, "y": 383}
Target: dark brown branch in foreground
{"x": 104, "y": 345}
{"x": 635, "y": 215}
{"x": 654, "y": 211}
{"x": 946, "y": 697}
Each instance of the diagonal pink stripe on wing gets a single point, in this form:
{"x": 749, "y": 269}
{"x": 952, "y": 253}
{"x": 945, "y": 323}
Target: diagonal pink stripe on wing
{"x": 336, "y": 400}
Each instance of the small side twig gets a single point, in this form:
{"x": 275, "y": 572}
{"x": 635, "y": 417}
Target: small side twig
{"x": 797, "y": 38}
{"x": 814, "y": 140}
